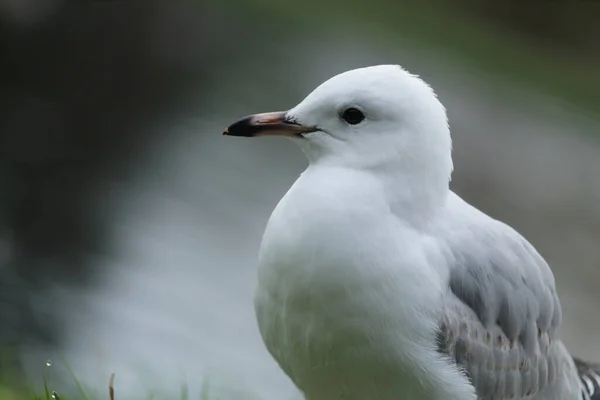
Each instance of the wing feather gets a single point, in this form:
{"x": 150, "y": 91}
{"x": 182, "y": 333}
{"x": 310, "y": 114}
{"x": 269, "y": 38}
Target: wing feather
{"x": 501, "y": 312}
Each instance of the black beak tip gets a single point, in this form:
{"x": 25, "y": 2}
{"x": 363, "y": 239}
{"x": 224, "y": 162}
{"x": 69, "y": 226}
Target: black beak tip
{"x": 243, "y": 128}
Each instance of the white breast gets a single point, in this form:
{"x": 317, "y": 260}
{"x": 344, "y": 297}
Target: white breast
{"x": 342, "y": 304}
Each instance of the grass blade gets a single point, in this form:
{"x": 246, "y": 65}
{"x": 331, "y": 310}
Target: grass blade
{"x": 75, "y": 379}
{"x": 46, "y": 390}
{"x": 204, "y": 395}
{"x": 185, "y": 393}
{"x": 111, "y": 386}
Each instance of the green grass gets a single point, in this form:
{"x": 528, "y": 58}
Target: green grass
{"x": 13, "y": 389}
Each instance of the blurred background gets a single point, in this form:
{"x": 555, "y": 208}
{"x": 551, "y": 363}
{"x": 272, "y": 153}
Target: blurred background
{"x": 129, "y": 226}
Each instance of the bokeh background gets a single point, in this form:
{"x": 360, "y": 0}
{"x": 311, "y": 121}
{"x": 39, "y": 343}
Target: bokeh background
{"x": 129, "y": 226}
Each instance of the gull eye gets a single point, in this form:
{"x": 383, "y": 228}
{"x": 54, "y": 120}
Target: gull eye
{"x": 353, "y": 116}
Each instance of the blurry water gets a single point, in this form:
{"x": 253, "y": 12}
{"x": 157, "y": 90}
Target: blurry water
{"x": 175, "y": 300}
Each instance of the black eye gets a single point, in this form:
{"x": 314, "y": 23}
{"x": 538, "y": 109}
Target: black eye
{"x": 353, "y": 116}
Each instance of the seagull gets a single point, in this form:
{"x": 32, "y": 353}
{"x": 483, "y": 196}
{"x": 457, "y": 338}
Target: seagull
{"x": 377, "y": 282}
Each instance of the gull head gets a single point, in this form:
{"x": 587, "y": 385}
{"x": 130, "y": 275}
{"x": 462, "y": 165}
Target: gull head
{"x": 379, "y": 118}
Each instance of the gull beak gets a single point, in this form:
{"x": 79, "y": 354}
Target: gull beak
{"x": 272, "y": 124}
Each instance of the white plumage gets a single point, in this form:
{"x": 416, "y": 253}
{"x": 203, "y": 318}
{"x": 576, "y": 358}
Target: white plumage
{"x": 376, "y": 281}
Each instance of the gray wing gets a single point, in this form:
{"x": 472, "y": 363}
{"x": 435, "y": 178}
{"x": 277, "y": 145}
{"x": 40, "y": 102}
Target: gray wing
{"x": 501, "y": 313}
